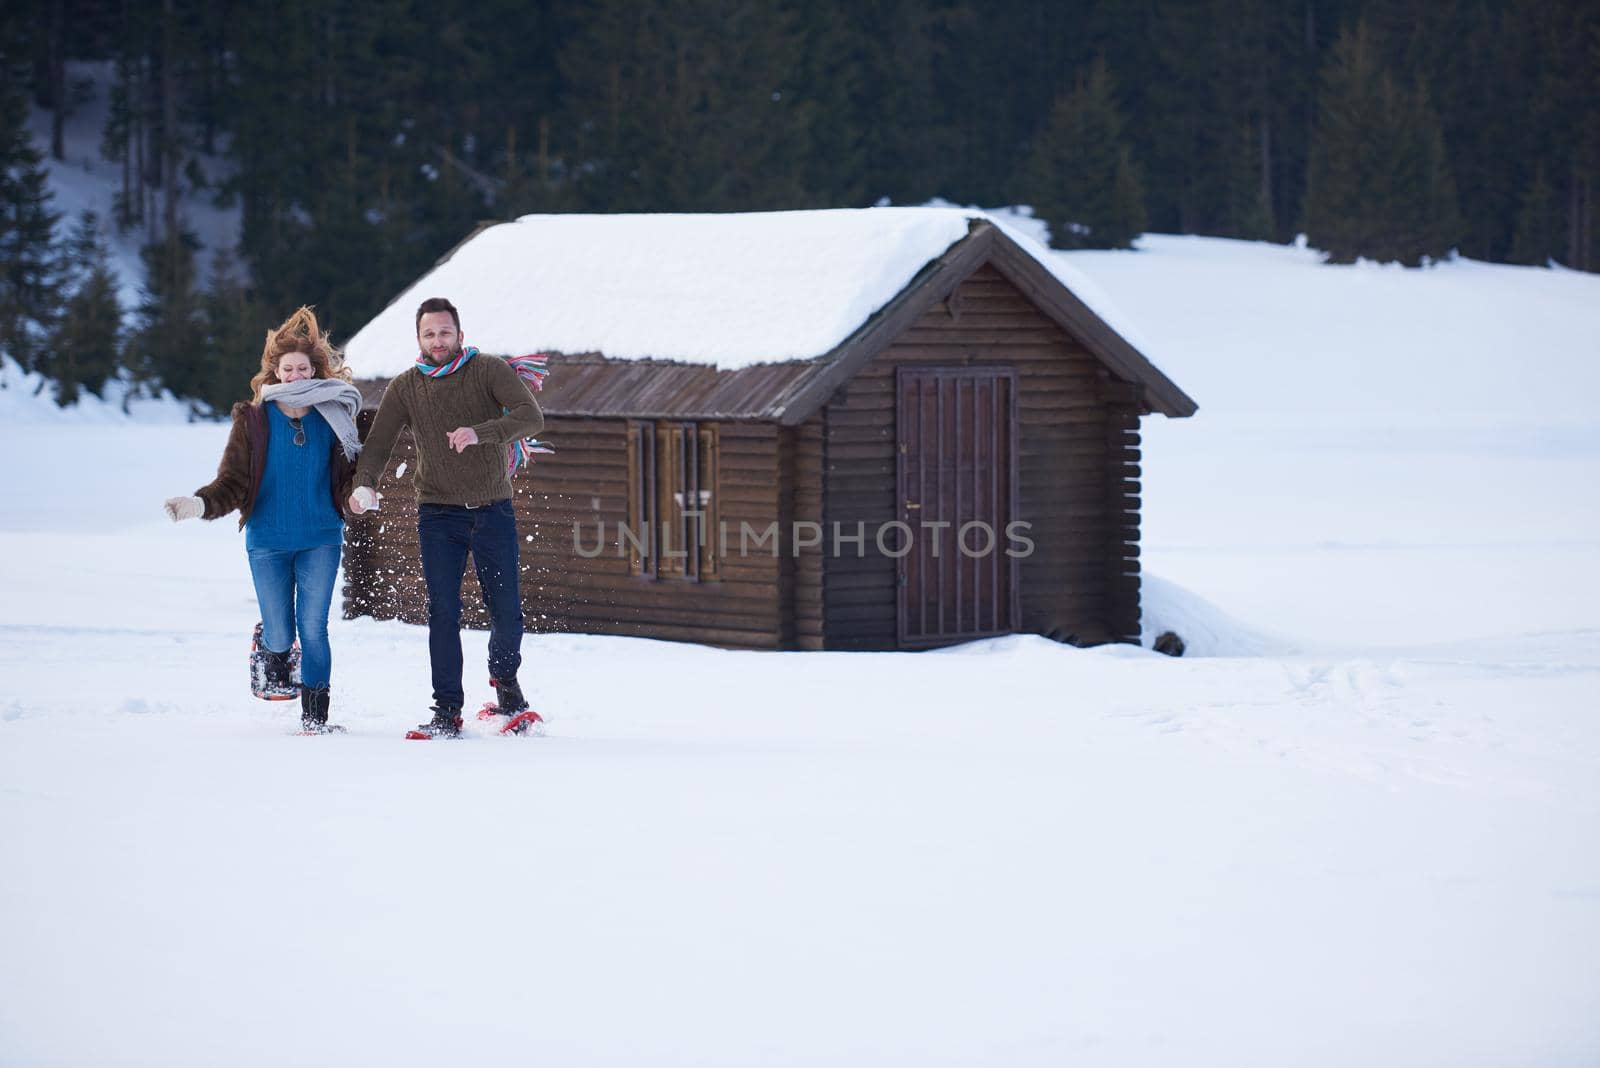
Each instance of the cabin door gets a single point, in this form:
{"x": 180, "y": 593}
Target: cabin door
{"x": 957, "y": 490}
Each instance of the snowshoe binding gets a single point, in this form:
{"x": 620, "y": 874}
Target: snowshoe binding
{"x": 273, "y": 675}
{"x": 510, "y": 709}
{"x": 446, "y": 723}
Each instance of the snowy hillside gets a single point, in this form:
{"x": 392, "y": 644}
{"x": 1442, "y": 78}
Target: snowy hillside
{"x": 1355, "y": 825}
{"x": 1382, "y": 456}
{"x": 86, "y": 181}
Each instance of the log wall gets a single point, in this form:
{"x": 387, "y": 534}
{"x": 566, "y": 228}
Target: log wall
{"x": 806, "y": 479}
{"x": 1078, "y": 471}
{"x": 585, "y": 485}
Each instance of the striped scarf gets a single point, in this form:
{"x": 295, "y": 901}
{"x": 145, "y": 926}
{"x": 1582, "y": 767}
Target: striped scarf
{"x": 440, "y": 370}
{"x": 532, "y": 370}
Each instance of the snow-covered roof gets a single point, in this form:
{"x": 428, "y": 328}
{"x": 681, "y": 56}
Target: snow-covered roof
{"x": 729, "y": 290}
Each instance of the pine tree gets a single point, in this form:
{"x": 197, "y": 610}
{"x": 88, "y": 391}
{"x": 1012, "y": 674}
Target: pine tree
{"x": 168, "y": 348}
{"x": 86, "y": 346}
{"x": 1564, "y": 114}
{"x": 995, "y": 69}
{"x": 233, "y": 326}
{"x": 1380, "y": 184}
{"x": 1244, "y": 66}
{"x": 1343, "y": 164}
{"x": 352, "y": 182}
{"x": 1084, "y": 181}
{"x": 1126, "y": 219}
{"x": 116, "y": 146}
{"x": 1482, "y": 81}
{"x": 1247, "y": 203}
{"x": 1540, "y": 236}
{"x": 910, "y": 136}
{"x": 1219, "y": 123}
{"x": 832, "y": 80}
{"x": 30, "y": 292}
{"x": 1428, "y": 200}
{"x": 689, "y": 107}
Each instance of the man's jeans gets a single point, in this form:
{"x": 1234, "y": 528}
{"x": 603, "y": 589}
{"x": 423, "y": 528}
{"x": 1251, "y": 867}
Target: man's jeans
{"x": 447, "y": 532}
{"x": 294, "y": 588}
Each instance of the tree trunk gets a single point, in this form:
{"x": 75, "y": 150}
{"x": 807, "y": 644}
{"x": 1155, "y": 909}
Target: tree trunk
{"x": 58, "y": 78}
{"x": 125, "y": 74}
{"x": 544, "y": 150}
{"x": 136, "y": 139}
{"x": 169, "y": 130}
{"x": 1585, "y": 259}
{"x": 1266, "y": 174}
{"x": 1575, "y": 234}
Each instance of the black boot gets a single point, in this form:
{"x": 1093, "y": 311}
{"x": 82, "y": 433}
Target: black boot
{"x": 314, "y": 711}
{"x": 510, "y": 703}
{"x": 446, "y": 722}
{"x": 508, "y": 697}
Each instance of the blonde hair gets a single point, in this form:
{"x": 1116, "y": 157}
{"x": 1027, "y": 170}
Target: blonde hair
{"x": 299, "y": 333}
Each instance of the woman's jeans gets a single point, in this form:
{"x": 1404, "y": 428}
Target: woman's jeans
{"x": 295, "y": 588}
{"x": 446, "y": 533}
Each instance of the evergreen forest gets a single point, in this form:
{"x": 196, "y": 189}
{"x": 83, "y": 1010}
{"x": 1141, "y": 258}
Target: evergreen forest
{"x": 364, "y": 140}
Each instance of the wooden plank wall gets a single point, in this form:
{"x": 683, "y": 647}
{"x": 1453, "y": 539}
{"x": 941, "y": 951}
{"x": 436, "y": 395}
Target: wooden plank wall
{"x": 805, "y": 477}
{"x": 585, "y": 484}
{"x": 1077, "y": 584}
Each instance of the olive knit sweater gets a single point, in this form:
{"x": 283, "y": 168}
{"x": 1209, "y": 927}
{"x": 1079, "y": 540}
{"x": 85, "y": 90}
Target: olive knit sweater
{"x": 478, "y": 395}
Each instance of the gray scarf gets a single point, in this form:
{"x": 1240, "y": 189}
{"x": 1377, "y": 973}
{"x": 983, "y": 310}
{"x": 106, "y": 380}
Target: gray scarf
{"x": 338, "y": 401}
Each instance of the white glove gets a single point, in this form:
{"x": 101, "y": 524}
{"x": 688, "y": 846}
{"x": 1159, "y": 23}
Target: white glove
{"x": 180, "y": 508}
{"x": 365, "y": 499}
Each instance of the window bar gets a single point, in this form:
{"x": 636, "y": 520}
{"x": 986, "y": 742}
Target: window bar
{"x": 956, "y": 559}
{"x": 922, "y": 504}
{"x": 652, "y": 526}
{"x": 978, "y": 498}
{"x": 691, "y": 442}
{"x": 1013, "y": 497}
{"x": 709, "y": 523}
{"x": 994, "y": 499}
{"x": 678, "y": 564}
{"x": 639, "y": 514}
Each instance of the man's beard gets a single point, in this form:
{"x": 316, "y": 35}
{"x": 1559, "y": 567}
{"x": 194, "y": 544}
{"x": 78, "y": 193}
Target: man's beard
{"x": 455, "y": 351}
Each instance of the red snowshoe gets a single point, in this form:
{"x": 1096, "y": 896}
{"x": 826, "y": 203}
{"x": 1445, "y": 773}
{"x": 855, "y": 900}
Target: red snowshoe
{"x": 446, "y": 723}
{"x": 510, "y": 710}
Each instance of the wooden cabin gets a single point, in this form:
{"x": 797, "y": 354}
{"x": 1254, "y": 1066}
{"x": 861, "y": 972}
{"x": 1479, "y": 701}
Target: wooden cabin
{"x": 963, "y": 463}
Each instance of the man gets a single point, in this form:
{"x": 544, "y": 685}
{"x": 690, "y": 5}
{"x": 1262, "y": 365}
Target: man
{"x": 463, "y": 410}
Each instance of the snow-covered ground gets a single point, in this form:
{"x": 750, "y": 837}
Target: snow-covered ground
{"x": 1357, "y": 825}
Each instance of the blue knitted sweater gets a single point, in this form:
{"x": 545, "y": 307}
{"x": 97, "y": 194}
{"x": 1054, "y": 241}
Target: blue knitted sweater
{"x": 294, "y": 509}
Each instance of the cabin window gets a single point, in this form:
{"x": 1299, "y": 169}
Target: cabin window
{"x": 672, "y": 500}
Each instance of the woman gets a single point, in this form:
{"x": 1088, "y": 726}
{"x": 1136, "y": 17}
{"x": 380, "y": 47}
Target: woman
{"x": 288, "y": 469}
